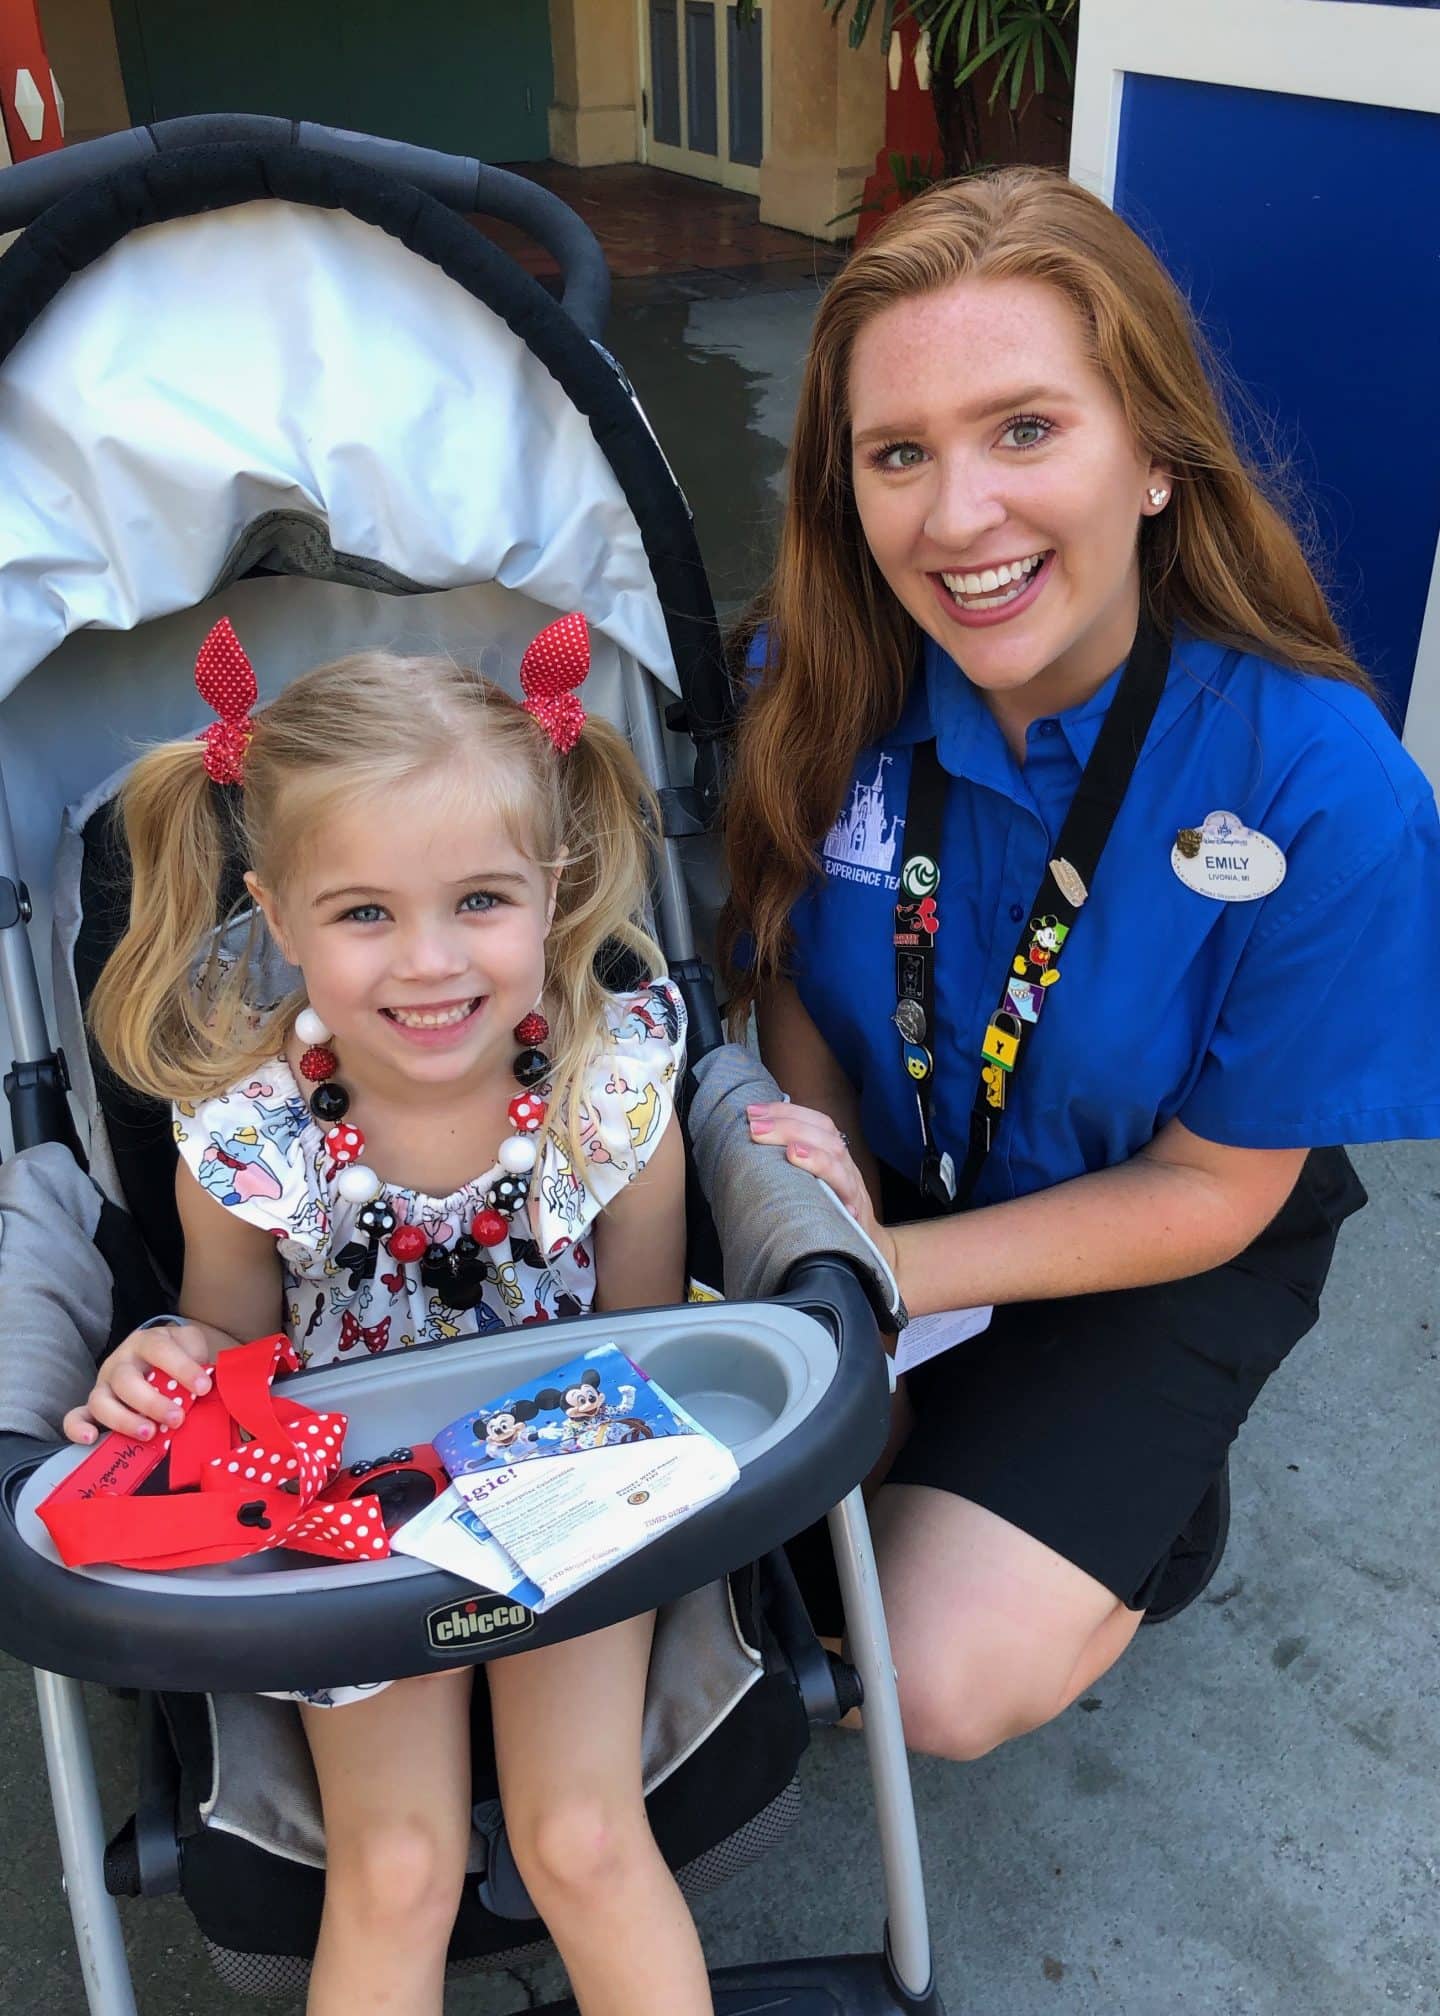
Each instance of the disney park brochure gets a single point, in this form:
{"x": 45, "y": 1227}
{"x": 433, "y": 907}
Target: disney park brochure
{"x": 558, "y": 1479}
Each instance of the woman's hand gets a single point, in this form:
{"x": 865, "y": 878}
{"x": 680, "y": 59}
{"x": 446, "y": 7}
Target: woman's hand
{"x": 812, "y": 1141}
{"x": 122, "y": 1396}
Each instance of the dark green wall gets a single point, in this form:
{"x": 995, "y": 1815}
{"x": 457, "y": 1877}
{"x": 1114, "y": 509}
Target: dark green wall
{"x": 468, "y": 76}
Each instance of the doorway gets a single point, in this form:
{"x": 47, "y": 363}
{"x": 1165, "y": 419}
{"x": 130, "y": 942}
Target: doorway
{"x": 705, "y": 89}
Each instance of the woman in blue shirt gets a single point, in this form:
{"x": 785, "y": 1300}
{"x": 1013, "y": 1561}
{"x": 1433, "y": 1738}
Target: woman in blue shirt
{"x": 1021, "y": 549}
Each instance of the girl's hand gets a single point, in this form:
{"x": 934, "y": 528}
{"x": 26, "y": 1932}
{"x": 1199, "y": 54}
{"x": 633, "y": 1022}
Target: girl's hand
{"x": 123, "y": 1397}
{"x": 812, "y": 1141}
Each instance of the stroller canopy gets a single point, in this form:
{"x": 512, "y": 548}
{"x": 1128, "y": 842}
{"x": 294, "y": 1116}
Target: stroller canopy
{"x": 281, "y": 386}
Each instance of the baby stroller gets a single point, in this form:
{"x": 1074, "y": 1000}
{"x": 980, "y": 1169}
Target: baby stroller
{"x": 273, "y": 372}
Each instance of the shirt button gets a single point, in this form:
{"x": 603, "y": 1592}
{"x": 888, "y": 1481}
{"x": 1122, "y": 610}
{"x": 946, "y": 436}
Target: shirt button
{"x": 1048, "y": 727}
{"x": 1016, "y": 912}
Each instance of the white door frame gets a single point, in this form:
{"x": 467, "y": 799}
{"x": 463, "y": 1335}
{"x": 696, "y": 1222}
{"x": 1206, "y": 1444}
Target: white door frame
{"x": 683, "y": 160}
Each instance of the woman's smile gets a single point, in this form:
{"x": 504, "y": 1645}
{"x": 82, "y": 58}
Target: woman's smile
{"x": 985, "y": 595}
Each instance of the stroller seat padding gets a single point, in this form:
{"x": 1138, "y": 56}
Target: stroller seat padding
{"x": 770, "y": 1216}
{"x": 55, "y": 1290}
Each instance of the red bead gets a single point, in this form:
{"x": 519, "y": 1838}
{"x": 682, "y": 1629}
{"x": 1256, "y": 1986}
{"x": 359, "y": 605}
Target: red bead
{"x": 345, "y": 1143}
{"x": 408, "y": 1242}
{"x": 527, "y": 1113}
{"x": 531, "y": 1029}
{"x": 489, "y": 1228}
{"x": 318, "y": 1063}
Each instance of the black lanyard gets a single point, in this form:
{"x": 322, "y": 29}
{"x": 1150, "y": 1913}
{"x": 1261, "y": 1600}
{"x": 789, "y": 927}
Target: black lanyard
{"x": 1035, "y": 967}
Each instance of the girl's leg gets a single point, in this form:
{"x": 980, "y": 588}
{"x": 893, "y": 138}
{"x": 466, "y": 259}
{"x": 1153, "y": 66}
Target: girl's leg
{"x": 567, "y": 1746}
{"x": 993, "y": 1633}
{"x": 394, "y": 1778}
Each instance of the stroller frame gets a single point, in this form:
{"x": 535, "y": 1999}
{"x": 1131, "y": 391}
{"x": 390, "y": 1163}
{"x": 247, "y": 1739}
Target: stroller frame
{"x": 828, "y": 1287}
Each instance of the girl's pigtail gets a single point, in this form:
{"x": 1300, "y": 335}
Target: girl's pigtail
{"x": 160, "y": 1026}
{"x": 611, "y": 825}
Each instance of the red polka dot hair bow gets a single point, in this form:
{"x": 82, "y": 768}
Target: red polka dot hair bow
{"x": 554, "y": 664}
{"x": 226, "y": 681}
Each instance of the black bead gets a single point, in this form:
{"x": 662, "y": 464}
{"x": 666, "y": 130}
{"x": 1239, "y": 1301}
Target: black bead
{"x": 465, "y": 1251}
{"x": 435, "y": 1255}
{"x": 377, "y": 1218}
{"x": 508, "y": 1195}
{"x": 530, "y": 1067}
{"x": 330, "y": 1102}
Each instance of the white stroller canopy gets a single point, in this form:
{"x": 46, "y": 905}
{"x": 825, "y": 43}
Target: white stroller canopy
{"x": 276, "y": 358}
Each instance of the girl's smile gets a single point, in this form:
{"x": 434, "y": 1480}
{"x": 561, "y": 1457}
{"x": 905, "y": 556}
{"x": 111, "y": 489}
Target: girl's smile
{"x": 421, "y": 964}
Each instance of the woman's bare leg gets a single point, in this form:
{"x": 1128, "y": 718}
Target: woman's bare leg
{"x": 394, "y": 1775}
{"x": 993, "y": 1633}
{"x": 567, "y": 1745}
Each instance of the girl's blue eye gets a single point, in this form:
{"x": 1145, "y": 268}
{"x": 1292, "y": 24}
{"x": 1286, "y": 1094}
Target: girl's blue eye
{"x": 898, "y": 455}
{"x": 1030, "y": 425}
{"x": 364, "y": 913}
{"x": 478, "y": 902}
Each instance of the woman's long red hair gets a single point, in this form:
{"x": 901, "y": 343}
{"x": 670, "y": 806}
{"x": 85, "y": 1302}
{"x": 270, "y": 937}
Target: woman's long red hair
{"x": 1222, "y": 560}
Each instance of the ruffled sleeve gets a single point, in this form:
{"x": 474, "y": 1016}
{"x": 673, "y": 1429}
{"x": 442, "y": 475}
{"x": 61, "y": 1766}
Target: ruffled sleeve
{"x": 246, "y": 1148}
{"x": 626, "y": 1103}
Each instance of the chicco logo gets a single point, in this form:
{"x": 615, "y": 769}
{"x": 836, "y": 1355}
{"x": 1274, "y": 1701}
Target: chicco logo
{"x": 486, "y": 1617}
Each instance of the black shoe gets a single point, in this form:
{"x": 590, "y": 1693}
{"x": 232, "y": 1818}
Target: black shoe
{"x": 1195, "y": 1555}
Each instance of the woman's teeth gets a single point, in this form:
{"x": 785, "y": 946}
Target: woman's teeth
{"x": 994, "y": 585}
{"x": 432, "y": 1018}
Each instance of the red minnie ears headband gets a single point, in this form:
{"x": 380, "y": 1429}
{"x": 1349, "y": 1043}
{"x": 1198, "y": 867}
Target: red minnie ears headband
{"x": 554, "y": 664}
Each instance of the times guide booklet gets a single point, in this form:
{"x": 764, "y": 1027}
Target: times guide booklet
{"x": 557, "y": 1479}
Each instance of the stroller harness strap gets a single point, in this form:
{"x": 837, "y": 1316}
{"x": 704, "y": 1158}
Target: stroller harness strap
{"x": 247, "y": 1472}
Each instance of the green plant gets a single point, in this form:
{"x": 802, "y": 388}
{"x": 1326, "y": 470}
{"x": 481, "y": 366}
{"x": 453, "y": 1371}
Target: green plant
{"x": 1022, "y": 40}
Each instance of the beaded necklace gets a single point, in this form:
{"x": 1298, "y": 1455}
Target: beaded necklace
{"x": 458, "y": 1272}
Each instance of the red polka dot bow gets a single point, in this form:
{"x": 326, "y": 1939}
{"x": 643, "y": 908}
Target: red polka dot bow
{"x": 554, "y": 663}
{"x": 226, "y": 680}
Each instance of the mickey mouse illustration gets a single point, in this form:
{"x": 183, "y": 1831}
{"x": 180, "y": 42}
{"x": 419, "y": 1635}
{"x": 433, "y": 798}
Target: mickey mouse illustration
{"x": 591, "y": 1420}
{"x": 506, "y": 1433}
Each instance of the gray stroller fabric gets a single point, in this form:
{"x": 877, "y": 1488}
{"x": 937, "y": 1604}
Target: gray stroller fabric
{"x": 55, "y": 1290}
{"x": 263, "y": 1784}
{"x": 770, "y": 1215}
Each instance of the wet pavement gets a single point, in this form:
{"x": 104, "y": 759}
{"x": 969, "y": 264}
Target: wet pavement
{"x": 1244, "y": 1818}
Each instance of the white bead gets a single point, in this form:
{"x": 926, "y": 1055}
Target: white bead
{"x": 517, "y": 1156}
{"x": 309, "y": 1028}
{"x": 357, "y": 1184}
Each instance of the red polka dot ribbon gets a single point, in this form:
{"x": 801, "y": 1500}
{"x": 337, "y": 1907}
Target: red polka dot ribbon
{"x": 226, "y": 680}
{"x": 247, "y": 1470}
{"x": 555, "y": 663}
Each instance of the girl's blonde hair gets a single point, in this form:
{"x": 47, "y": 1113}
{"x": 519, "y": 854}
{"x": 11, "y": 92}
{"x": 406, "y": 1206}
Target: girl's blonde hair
{"x": 1221, "y": 560}
{"x": 175, "y": 1020}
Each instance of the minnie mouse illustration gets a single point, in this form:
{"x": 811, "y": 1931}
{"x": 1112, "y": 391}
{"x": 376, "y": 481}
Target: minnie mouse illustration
{"x": 592, "y": 1421}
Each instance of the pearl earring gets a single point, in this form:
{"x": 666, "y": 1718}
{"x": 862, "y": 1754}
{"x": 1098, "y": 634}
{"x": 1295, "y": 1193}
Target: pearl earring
{"x": 1157, "y": 497}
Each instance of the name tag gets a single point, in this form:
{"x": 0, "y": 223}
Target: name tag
{"x": 1224, "y": 860}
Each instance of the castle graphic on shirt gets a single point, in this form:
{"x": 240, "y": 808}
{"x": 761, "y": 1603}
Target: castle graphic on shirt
{"x": 862, "y": 844}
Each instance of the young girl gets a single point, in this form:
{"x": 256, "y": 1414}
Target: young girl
{"x": 454, "y": 1125}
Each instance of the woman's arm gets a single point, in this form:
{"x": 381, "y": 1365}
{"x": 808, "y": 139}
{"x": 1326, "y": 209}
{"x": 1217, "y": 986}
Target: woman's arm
{"x": 1180, "y": 1206}
{"x": 803, "y": 1064}
{"x": 640, "y": 1235}
{"x": 1183, "y": 1204}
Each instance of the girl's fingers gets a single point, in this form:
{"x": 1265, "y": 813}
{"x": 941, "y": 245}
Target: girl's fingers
{"x": 107, "y": 1411}
{"x": 131, "y": 1389}
{"x": 77, "y": 1426}
{"x": 181, "y": 1353}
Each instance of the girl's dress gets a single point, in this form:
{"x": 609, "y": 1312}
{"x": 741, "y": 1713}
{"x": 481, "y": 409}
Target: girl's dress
{"x": 259, "y": 1151}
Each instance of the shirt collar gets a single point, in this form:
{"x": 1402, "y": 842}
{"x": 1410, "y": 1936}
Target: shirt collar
{"x": 943, "y": 703}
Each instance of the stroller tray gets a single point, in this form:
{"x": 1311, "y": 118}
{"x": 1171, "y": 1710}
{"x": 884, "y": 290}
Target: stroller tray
{"x": 803, "y": 1420}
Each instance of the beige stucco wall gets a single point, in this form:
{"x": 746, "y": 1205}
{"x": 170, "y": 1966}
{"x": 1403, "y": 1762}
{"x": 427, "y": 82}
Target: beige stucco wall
{"x": 80, "y": 41}
{"x": 827, "y": 119}
{"x": 595, "y": 116}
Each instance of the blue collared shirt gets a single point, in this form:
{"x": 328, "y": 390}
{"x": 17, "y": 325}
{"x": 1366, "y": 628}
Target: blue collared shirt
{"x": 1304, "y": 1018}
